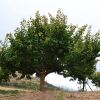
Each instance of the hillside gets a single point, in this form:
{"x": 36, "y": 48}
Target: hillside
{"x": 29, "y": 90}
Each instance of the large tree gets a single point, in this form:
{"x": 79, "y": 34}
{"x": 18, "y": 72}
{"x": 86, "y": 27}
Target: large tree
{"x": 39, "y": 46}
{"x": 81, "y": 62}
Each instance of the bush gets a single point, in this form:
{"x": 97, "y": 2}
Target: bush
{"x": 96, "y": 79}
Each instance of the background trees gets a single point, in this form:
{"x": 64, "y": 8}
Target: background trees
{"x": 96, "y": 79}
{"x": 81, "y": 62}
{"x": 4, "y": 73}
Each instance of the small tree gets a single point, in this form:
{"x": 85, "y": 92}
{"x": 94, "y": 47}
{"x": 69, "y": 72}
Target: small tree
{"x": 96, "y": 79}
{"x": 81, "y": 63}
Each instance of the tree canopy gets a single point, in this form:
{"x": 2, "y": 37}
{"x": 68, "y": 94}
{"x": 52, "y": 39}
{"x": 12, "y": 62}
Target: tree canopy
{"x": 38, "y": 46}
{"x": 81, "y": 62}
{"x": 43, "y": 45}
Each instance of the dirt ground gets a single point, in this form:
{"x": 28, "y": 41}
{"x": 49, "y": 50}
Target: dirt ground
{"x": 54, "y": 95}
{"x": 83, "y": 96}
{"x": 38, "y": 96}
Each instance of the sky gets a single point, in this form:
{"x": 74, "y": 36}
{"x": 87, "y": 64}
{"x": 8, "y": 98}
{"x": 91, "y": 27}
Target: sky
{"x": 78, "y": 11}
{"x": 66, "y": 84}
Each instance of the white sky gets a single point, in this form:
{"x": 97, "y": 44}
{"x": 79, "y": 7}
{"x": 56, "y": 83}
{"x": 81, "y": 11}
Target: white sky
{"x": 78, "y": 11}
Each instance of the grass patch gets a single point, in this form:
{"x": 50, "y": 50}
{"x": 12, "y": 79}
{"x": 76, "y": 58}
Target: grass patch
{"x": 50, "y": 87}
{"x": 22, "y": 85}
{"x": 28, "y": 84}
{"x": 8, "y": 92}
{"x": 60, "y": 95}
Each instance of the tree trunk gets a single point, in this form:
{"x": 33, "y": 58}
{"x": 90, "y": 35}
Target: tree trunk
{"x": 83, "y": 85}
{"x": 42, "y": 81}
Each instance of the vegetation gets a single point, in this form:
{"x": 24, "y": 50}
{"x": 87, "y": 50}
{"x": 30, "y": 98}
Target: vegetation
{"x": 25, "y": 84}
{"x": 4, "y": 73}
{"x": 44, "y": 45}
{"x": 38, "y": 46}
{"x": 81, "y": 62}
{"x": 96, "y": 79}
{"x": 8, "y": 92}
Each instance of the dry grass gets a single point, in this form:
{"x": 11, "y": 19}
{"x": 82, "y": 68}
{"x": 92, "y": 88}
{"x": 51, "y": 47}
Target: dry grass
{"x": 27, "y": 90}
{"x": 83, "y": 96}
{"x": 51, "y": 95}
